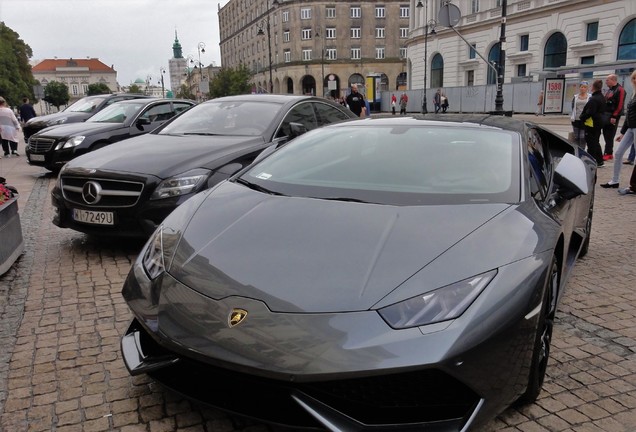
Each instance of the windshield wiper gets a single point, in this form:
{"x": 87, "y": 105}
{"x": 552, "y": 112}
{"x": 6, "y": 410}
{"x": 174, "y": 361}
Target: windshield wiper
{"x": 345, "y": 199}
{"x": 200, "y": 133}
{"x": 256, "y": 187}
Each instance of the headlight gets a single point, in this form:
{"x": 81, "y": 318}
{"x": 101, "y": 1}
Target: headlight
{"x": 73, "y": 142}
{"x": 442, "y": 304}
{"x": 153, "y": 256}
{"x": 181, "y": 184}
{"x": 58, "y": 121}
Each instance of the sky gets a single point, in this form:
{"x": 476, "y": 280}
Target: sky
{"x": 135, "y": 37}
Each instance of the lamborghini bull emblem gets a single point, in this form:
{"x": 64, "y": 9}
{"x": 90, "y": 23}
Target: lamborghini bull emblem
{"x": 236, "y": 317}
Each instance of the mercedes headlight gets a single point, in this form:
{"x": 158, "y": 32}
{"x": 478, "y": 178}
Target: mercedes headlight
{"x": 58, "y": 121}
{"x": 72, "y": 142}
{"x": 181, "y": 184}
{"x": 441, "y": 304}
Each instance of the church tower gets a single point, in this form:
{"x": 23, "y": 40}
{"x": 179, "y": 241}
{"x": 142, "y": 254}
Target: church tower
{"x": 177, "y": 66}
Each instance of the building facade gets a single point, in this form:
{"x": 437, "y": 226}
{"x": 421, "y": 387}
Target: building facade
{"x": 315, "y": 46}
{"x": 573, "y": 38}
{"x": 77, "y": 74}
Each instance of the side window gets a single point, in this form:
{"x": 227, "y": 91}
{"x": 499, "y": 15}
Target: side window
{"x": 328, "y": 114}
{"x": 180, "y": 107}
{"x": 302, "y": 113}
{"x": 538, "y": 161}
{"x": 156, "y": 113}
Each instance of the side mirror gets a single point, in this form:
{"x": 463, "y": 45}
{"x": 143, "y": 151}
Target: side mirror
{"x": 571, "y": 177}
{"x": 297, "y": 129}
{"x": 142, "y": 122}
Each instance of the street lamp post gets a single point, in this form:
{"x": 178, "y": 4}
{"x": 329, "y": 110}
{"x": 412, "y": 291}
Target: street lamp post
{"x": 499, "y": 99}
{"x": 322, "y": 60}
{"x": 201, "y": 49}
{"x": 269, "y": 42}
{"x": 163, "y": 91}
{"x": 425, "y": 6}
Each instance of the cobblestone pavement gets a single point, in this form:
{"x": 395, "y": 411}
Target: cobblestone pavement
{"x": 62, "y": 315}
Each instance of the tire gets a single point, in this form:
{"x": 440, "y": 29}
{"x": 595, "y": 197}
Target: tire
{"x": 543, "y": 338}
{"x": 588, "y": 229}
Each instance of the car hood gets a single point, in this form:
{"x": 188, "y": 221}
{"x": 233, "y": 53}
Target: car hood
{"x": 163, "y": 155}
{"x": 311, "y": 255}
{"x": 71, "y": 117}
{"x": 74, "y": 129}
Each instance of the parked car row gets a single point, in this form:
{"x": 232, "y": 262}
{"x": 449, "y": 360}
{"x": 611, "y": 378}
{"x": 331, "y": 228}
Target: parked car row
{"x": 321, "y": 273}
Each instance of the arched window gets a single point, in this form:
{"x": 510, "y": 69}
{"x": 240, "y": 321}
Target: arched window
{"x": 437, "y": 71}
{"x": 356, "y": 79}
{"x": 556, "y": 49}
{"x": 627, "y": 42}
{"x": 493, "y": 59}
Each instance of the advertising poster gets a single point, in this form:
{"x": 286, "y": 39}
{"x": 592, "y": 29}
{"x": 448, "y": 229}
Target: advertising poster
{"x": 553, "y": 95}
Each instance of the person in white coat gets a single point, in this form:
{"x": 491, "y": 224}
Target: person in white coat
{"x": 578, "y": 103}
{"x": 9, "y": 127}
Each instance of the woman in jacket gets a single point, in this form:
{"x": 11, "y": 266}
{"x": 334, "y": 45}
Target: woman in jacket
{"x": 626, "y": 138}
{"x": 593, "y": 121}
{"x": 578, "y": 103}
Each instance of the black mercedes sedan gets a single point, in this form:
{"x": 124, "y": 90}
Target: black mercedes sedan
{"x": 53, "y": 147}
{"x": 386, "y": 274}
{"x": 78, "y": 111}
{"x": 128, "y": 188}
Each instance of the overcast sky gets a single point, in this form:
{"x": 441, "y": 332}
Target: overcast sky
{"x": 133, "y": 36}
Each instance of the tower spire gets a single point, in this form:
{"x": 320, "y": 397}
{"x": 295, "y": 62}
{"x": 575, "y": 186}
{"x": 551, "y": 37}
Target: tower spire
{"x": 176, "y": 46}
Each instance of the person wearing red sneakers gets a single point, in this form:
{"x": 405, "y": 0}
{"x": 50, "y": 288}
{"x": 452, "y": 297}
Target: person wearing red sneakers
{"x": 592, "y": 121}
{"x": 615, "y": 99}
{"x": 625, "y": 138}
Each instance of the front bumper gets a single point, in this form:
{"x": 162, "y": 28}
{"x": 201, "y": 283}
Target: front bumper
{"x": 319, "y": 370}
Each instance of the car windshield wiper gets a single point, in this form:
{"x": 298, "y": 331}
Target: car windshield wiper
{"x": 200, "y": 133}
{"x": 345, "y": 199}
{"x": 256, "y": 187}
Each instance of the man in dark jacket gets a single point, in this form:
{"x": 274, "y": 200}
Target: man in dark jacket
{"x": 356, "y": 102}
{"x": 26, "y": 113}
{"x": 592, "y": 117}
{"x": 615, "y": 100}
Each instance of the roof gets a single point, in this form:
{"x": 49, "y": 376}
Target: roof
{"x": 52, "y": 65}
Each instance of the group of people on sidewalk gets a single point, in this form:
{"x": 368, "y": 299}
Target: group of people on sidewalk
{"x": 598, "y": 114}
{"x": 10, "y": 125}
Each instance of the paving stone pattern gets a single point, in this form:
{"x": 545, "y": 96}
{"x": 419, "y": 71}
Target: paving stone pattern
{"x": 62, "y": 315}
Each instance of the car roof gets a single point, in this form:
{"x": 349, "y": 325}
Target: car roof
{"x": 463, "y": 120}
{"x": 273, "y": 98}
{"x": 150, "y": 100}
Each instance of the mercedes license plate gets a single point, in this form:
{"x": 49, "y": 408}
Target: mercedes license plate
{"x": 93, "y": 217}
{"x": 36, "y": 157}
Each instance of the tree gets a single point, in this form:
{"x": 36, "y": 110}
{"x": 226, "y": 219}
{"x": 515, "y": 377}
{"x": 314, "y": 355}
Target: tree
{"x": 230, "y": 81}
{"x": 56, "y": 93}
{"x": 185, "y": 92}
{"x": 16, "y": 78}
{"x": 97, "y": 89}
{"x": 134, "y": 88}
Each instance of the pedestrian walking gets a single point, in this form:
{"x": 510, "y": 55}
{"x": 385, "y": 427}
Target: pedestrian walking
{"x": 404, "y": 101}
{"x": 614, "y": 100}
{"x": 444, "y": 101}
{"x": 437, "y": 100}
{"x": 356, "y": 103}
{"x": 539, "y": 110}
{"x": 592, "y": 120}
{"x": 578, "y": 103}
{"x": 26, "y": 113}
{"x": 393, "y": 103}
{"x": 9, "y": 127}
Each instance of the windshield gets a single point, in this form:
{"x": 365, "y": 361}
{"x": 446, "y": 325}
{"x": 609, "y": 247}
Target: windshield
{"x": 86, "y": 105}
{"x": 399, "y": 165}
{"x": 225, "y": 118}
{"x": 117, "y": 112}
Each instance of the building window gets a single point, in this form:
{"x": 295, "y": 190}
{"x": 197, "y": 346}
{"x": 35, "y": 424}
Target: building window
{"x": 592, "y": 31}
{"x": 437, "y": 71}
{"x": 330, "y": 32}
{"x": 306, "y": 34}
{"x": 380, "y": 12}
{"x": 285, "y": 16}
{"x": 379, "y": 32}
{"x": 404, "y": 11}
{"x": 472, "y": 51}
{"x": 404, "y": 32}
{"x": 287, "y": 56}
{"x": 493, "y": 59}
{"x": 474, "y": 6}
{"x": 379, "y": 53}
{"x": 355, "y": 32}
{"x": 74, "y": 89}
{"x": 85, "y": 88}
{"x": 286, "y": 36}
{"x": 521, "y": 70}
{"x": 470, "y": 78}
{"x": 587, "y": 60}
{"x": 355, "y": 53}
{"x": 403, "y": 53}
{"x": 524, "y": 41}
{"x": 331, "y": 54}
{"x": 306, "y": 54}
{"x": 627, "y": 42}
{"x": 305, "y": 13}
{"x": 330, "y": 12}
{"x": 556, "y": 49}
{"x": 356, "y": 12}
